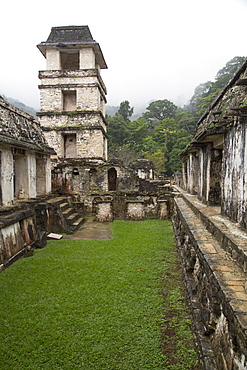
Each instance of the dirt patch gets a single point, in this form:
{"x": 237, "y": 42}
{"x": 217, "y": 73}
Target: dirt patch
{"x": 92, "y": 229}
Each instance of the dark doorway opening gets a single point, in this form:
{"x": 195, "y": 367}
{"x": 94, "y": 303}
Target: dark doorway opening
{"x": 112, "y": 179}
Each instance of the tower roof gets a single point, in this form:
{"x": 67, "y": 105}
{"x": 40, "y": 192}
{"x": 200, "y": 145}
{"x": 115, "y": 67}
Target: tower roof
{"x": 70, "y": 34}
{"x": 72, "y": 37}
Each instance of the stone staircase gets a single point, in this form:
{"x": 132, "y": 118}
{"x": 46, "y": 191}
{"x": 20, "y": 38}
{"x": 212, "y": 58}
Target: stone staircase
{"x": 213, "y": 253}
{"x": 65, "y": 217}
{"x": 72, "y": 217}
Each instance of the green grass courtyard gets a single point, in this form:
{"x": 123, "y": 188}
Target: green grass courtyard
{"x": 98, "y": 304}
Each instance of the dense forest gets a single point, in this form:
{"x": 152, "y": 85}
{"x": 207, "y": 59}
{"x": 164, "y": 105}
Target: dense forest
{"x": 164, "y": 129}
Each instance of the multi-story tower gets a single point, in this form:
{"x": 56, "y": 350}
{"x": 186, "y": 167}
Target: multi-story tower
{"x": 72, "y": 94}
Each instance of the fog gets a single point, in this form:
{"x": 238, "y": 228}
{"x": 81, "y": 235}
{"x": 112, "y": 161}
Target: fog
{"x": 154, "y": 50}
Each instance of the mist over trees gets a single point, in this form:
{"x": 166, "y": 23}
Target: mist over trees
{"x": 164, "y": 129}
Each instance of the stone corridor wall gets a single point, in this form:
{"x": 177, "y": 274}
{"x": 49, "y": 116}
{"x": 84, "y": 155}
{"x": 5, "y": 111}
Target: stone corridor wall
{"x": 218, "y": 318}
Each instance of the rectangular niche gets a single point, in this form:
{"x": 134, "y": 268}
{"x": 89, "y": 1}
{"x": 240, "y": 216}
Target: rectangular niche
{"x": 69, "y": 100}
{"x": 69, "y": 145}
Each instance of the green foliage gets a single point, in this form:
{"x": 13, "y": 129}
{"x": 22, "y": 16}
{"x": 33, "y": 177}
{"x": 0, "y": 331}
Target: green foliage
{"x": 138, "y": 129}
{"x": 206, "y": 92}
{"x": 165, "y": 130}
{"x": 117, "y": 131}
{"x": 125, "y": 111}
{"x": 181, "y": 140}
{"x": 159, "y": 110}
{"x": 97, "y": 304}
{"x": 126, "y": 153}
{"x": 159, "y": 160}
{"x": 142, "y": 138}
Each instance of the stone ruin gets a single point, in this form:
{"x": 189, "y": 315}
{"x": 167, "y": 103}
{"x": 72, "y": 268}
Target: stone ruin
{"x": 72, "y": 116}
{"x": 210, "y": 227}
{"x": 55, "y": 171}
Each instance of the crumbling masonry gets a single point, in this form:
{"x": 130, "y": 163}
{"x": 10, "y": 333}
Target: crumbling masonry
{"x": 56, "y": 170}
{"x": 210, "y": 226}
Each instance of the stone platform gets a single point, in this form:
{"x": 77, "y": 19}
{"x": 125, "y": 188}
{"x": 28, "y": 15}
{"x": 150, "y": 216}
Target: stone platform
{"x": 213, "y": 253}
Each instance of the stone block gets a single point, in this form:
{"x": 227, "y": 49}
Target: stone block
{"x": 135, "y": 210}
{"x": 104, "y": 211}
{"x": 162, "y": 210}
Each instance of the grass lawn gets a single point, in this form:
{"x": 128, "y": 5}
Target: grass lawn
{"x": 98, "y": 304}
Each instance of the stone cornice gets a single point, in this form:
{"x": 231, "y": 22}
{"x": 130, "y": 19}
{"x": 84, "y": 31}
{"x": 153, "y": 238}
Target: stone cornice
{"x": 76, "y": 113}
{"x": 80, "y": 73}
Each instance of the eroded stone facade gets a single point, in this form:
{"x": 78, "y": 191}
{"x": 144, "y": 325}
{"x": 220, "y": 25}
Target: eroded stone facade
{"x": 210, "y": 227}
{"x": 25, "y": 156}
{"x": 215, "y": 161}
{"x": 25, "y": 174}
{"x": 73, "y": 95}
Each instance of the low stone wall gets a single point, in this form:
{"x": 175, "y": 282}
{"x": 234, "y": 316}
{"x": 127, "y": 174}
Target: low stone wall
{"x": 24, "y": 227}
{"x": 17, "y": 233}
{"x": 131, "y": 205}
{"x": 216, "y": 285}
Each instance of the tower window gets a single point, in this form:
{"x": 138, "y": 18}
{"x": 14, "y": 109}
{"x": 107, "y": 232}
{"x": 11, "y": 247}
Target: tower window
{"x": 69, "y": 100}
{"x": 69, "y": 61}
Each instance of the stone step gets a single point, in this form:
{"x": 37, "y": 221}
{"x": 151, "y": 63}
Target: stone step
{"x": 64, "y": 206}
{"x": 72, "y": 216}
{"x": 78, "y": 222}
{"x": 75, "y": 224}
{"x": 68, "y": 211}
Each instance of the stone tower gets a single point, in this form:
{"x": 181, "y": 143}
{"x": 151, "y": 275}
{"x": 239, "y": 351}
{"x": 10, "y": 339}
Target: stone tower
{"x": 72, "y": 95}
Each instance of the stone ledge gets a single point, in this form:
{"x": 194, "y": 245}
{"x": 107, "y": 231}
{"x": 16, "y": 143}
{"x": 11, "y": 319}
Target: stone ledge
{"x": 15, "y": 217}
{"x": 231, "y": 237}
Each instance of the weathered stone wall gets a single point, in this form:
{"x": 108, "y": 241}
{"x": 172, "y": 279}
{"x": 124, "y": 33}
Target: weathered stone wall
{"x": 86, "y": 58}
{"x": 192, "y": 173}
{"x": 80, "y": 178}
{"x": 135, "y": 210}
{"x": 90, "y": 142}
{"x": 144, "y": 169}
{"x": 88, "y": 85}
{"x": 220, "y": 146}
{"x": 132, "y": 205}
{"x": 24, "y": 155}
{"x": 73, "y": 120}
{"x": 215, "y": 285}
{"x": 234, "y": 192}
{"x": 25, "y": 226}
{"x": 21, "y": 129}
{"x": 204, "y": 172}
{"x": 17, "y": 232}
{"x": 104, "y": 211}
{"x": 218, "y": 176}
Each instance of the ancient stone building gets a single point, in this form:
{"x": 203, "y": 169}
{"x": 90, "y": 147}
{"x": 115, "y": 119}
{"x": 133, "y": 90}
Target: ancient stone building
{"x": 210, "y": 225}
{"x": 72, "y": 94}
{"x": 25, "y": 169}
{"x": 24, "y": 156}
{"x": 214, "y": 164}
{"x": 72, "y": 116}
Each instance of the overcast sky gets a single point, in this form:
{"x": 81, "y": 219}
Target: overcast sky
{"x": 159, "y": 49}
